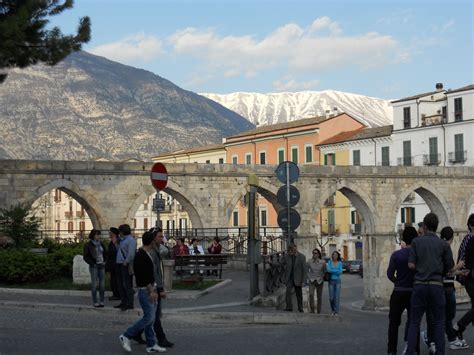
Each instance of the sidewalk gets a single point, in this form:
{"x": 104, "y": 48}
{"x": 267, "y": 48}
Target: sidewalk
{"x": 228, "y": 302}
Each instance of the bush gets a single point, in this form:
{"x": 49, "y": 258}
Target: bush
{"x": 22, "y": 266}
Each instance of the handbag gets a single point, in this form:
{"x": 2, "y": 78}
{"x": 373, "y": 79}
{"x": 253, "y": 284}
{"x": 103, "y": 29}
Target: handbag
{"x": 327, "y": 276}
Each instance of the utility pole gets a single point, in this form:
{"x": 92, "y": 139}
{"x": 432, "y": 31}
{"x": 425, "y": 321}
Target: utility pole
{"x": 252, "y": 235}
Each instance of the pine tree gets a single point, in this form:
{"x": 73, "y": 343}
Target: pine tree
{"x": 24, "y": 39}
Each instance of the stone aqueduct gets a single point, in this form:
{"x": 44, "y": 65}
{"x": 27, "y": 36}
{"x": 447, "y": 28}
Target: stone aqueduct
{"x": 111, "y": 193}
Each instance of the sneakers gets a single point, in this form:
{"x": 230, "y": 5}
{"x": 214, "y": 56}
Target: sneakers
{"x": 424, "y": 338}
{"x": 155, "y": 348}
{"x": 125, "y": 343}
{"x": 405, "y": 349}
{"x": 458, "y": 344}
{"x": 432, "y": 349}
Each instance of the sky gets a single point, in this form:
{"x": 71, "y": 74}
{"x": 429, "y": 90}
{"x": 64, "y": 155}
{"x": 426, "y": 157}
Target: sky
{"x": 386, "y": 49}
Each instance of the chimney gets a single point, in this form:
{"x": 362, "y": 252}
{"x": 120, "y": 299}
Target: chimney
{"x": 336, "y": 112}
{"x": 439, "y": 86}
{"x": 328, "y": 113}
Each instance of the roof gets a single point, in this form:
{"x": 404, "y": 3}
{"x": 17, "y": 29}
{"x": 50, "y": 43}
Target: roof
{"x": 193, "y": 150}
{"x": 287, "y": 125}
{"x": 409, "y": 98}
{"x": 360, "y": 134}
{"x": 464, "y": 88}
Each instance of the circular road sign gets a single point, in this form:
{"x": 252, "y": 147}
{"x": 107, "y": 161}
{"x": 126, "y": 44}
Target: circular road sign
{"x": 282, "y": 196}
{"x": 159, "y": 176}
{"x": 294, "y": 172}
{"x": 292, "y": 223}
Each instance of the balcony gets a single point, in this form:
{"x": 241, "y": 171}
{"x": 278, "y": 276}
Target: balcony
{"x": 331, "y": 201}
{"x": 330, "y": 229}
{"x": 68, "y": 214}
{"x": 405, "y": 161}
{"x": 80, "y": 214}
{"x": 432, "y": 159}
{"x": 457, "y": 157}
{"x": 458, "y": 116}
{"x": 432, "y": 119}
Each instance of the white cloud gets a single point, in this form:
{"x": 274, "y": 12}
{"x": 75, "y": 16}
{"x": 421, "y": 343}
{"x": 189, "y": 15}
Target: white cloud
{"x": 137, "y": 47}
{"x": 290, "y": 48}
{"x": 287, "y": 84}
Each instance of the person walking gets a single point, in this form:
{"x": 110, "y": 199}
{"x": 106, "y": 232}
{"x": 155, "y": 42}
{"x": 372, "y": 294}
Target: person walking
{"x": 111, "y": 264}
{"x": 402, "y": 278}
{"x": 94, "y": 255}
{"x": 466, "y": 254}
{"x": 431, "y": 258}
{"x": 147, "y": 296}
{"x": 316, "y": 269}
{"x": 334, "y": 267}
{"x": 296, "y": 271}
{"x": 455, "y": 343}
{"x": 125, "y": 256}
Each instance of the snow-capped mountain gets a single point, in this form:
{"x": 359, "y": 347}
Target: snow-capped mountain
{"x": 264, "y": 109}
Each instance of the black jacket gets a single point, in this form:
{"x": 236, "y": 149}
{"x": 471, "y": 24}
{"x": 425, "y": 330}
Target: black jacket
{"x": 90, "y": 256}
{"x": 111, "y": 257}
{"x": 143, "y": 268}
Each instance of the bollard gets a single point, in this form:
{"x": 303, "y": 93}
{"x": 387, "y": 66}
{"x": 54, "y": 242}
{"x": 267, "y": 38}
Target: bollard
{"x": 168, "y": 266}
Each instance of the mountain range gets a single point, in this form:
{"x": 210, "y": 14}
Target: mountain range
{"x": 88, "y": 107}
{"x": 264, "y": 109}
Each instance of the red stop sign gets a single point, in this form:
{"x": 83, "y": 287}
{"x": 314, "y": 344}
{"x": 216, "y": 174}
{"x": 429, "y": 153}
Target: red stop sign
{"x": 159, "y": 176}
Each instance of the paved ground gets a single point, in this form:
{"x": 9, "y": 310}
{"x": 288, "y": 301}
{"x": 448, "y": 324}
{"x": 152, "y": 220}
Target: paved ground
{"x": 25, "y": 330}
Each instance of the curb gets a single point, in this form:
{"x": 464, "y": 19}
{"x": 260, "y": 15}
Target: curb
{"x": 281, "y": 318}
{"x": 173, "y": 294}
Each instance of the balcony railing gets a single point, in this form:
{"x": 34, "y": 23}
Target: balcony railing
{"x": 458, "y": 156}
{"x": 405, "y": 161}
{"x": 432, "y": 159}
{"x": 68, "y": 214}
{"x": 80, "y": 214}
{"x": 356, "y": 228}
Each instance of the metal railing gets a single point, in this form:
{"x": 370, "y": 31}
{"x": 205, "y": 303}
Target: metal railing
{"x": 458, "y": 156}
{"x": 432, "y": 159}
{"x": 233, "y": 240}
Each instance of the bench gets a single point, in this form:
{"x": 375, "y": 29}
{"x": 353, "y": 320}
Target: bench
{"x": 196, "y": 263}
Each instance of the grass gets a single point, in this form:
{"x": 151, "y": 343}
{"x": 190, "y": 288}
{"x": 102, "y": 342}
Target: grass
{"x": 196, "y": 286}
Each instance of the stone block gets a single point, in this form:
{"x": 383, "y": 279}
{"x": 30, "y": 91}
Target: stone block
{"x": 80, "y": 271}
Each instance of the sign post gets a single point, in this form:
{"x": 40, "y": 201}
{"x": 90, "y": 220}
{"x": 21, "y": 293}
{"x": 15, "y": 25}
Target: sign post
{"x": 288, "y": 196}
{"x": 159, "y": 180}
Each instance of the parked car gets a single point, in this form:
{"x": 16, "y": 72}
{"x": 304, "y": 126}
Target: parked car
{"x": 355, "y": 266}
{"x": 346, "y": 264}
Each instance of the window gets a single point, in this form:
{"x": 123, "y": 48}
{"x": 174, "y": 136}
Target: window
{"x": 235, "y": 218}
{"x": 406, "y": 117}
{"x": 356, "y": 157}
{"x": 281, "y": 155}
{"x": 70, "y": 227}
{"x": 263, "y": 160}
{"x": 57, "y": 195}
{"x": 294, "y": 155}
{"x": 355, "y": 217}
{"x": 459, "y": 147}
{"x": 433, "y": 151}
{"x": 208, "y": 162}
{"x": 308, "y": 149}
{"x": 70, "y": 207}
{"x": 331, "y": 221}
{"x": 183, "y": 224}
{"x": 234, "y": 160}
{"x": 330, "y": 159}
{"x": 145, "y": 223}
{"x": 458, "y": 109}
{"x": 407, "y": 153}
{"x": 263, "y": 217}
{"x": 445, "y": 114}
{"x": 221, "y": 160}
{"x": 134, "y": 223}
{"x": 82, "y": 226}
{"x": 248, "y": 158}
{"x": 407, "y": 215}
{"x": 385, "y": 156}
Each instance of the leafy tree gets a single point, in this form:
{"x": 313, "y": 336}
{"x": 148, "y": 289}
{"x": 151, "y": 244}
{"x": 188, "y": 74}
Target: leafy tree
{"x": 24, "y": 39}
{"x": 17, "y": 223}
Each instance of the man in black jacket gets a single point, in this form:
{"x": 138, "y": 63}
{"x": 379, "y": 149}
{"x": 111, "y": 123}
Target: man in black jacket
{"x": 147, "y": 296}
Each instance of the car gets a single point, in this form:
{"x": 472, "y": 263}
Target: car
{"x": 355, "y": 266}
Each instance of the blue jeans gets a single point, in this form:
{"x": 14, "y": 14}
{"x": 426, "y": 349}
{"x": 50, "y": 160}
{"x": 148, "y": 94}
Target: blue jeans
{"x": 146, "y": 322}
{"x": 334, "y": 294}
{"x": 97, "y": 274}
{"x": 450, "y": 315}
{"x": 427, "y": 298}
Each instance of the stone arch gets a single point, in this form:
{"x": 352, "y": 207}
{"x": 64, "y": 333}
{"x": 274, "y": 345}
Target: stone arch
{"x": 433, "y": 198}
{"x": 173, "y": 190}
{"x": 359, "y": 199}
{"x": 265, "y": 189}
{"x": 85, "y": 198}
